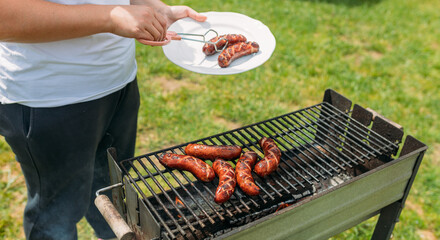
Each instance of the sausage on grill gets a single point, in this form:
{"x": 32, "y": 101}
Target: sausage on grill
{"x": 243, "y": 172}
{"x": 231, "y": 39}
{"x": 271, "y": 160}
{"x": 227, "y": 182}
{"x": 199, "y": 168}
{"x": 212, "y": 152}
{"x": 235, "y": 51}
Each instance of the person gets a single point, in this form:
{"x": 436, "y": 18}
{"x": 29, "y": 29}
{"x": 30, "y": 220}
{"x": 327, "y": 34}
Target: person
{"x": 68, "y": 92}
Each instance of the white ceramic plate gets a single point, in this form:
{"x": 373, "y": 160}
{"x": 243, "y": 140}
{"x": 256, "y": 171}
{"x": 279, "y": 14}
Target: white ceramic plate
{"x": 189, "y": 55}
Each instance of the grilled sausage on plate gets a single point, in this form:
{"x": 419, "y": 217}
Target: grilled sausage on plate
{"x": 209, "y": 49}
{"x": 238, "y": 50}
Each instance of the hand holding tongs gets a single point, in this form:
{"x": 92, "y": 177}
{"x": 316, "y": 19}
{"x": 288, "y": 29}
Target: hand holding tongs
{"x": 178, "y": 36}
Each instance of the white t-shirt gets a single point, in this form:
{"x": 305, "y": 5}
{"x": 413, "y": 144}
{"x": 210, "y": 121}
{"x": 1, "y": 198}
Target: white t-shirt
{"x": 69, "y": 71}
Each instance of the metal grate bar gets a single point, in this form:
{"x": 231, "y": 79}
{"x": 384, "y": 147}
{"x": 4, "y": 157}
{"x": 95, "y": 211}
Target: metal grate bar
{"x": 327, "y": 129}
{"x": 186, "y": 191}
{"x": 277, "y": 182}
{"x": 330, "y": 139}
{"x": 315, "y": 143}
{"x": 173, "y": 201}
{"x": 203, "y": 197}
{"x": 341, "y": 129}
{"x": 256, "y": 182}
{"x": 206, "y": 189}
{"x": 231, "y": 202}
{"x": 284, "y": 170}
{"x": 291, "y": 168}
{"x": 296, "y": 148}
{"x": 269, "y": 185}
{"x": 357, "y": 142}
{"x": 317, "y": 136}
{"x": 157, "y": 199}
{"x": 235, "y": 194}
{"x": 359, "y": 127}
{"x": 298, "y": 142}
{"x": 383, "y": 143}
{"x": 149, "y": 204}
{"x": 200, "y": 193}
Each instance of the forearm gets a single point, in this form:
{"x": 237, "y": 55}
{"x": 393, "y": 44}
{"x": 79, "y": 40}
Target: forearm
{"x": 35, "y": 21}
{"x": 42, "y": 21}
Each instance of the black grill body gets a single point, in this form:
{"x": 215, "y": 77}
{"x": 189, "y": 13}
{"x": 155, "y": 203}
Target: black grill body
{"x": 338, "y": 168}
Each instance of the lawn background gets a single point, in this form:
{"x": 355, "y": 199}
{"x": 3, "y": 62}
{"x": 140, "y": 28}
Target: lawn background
{"x": 380, "y": 54}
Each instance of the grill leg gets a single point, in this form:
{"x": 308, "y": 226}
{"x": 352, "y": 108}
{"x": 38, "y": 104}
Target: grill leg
{"x": 388, "y": 217}
{"x": 390, "y": 214}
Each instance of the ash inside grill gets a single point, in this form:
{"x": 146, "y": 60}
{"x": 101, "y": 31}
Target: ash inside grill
{"x": 322, "y": 146}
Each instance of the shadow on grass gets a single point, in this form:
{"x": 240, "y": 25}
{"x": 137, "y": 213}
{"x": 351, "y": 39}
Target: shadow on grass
{"x": 348, "y": 3}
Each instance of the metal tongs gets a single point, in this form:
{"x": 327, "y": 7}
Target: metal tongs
{"x": 171, "y": 35}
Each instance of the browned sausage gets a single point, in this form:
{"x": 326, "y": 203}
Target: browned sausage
{"x": 199, "y": 168}
{"x": 235, "y": 51}
{"x": 212, "y": 152}
{"x": 271, "y": 160}
{"x": 227, "y": 182}
{"x": 243, "y": 172}
{"x": 231, "y": 39}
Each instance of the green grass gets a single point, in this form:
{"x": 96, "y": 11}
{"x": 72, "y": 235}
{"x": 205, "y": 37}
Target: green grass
{"x": 380, "y": 54}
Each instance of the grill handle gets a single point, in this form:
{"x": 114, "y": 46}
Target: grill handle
{"x": 113, "y": 218}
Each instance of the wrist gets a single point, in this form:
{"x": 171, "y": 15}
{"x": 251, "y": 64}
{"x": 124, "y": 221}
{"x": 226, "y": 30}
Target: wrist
{"x": 110, "y": 19}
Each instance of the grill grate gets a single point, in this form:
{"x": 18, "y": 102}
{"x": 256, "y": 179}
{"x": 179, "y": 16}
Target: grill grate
{"x": 317, "y": 143}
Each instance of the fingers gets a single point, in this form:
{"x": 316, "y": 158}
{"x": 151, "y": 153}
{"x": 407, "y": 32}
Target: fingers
{"x": 178, "y": 12}
{"x": 195, "y": 15}
{"x": 145, "y": 22}
{"x": 141, "y": 22}
{"x": 153, "y": 43}
{"x": 156, "y": 27}
{"x": 157, "y": 30}
{"x": 163, "y": 24}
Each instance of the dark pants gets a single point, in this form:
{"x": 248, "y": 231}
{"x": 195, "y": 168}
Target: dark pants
{"x": 62, "y": 153}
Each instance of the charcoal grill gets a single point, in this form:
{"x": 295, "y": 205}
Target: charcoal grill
{"x": 339, "y": 167}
